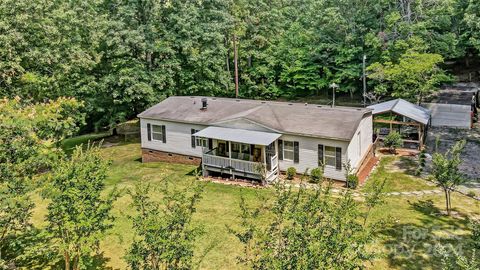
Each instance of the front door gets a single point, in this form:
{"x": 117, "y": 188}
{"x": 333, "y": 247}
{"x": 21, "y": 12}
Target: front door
{"x": 222, "y": 149}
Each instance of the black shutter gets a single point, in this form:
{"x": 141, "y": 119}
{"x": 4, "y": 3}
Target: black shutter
{"x": 321, "y": 161}
{"x": 164, "y": 135}
{"x": 280, "y": 150}
{"x": 193, "y": 137}
{"x": 210, "y": 144}
{"x": 338, "y": 158}
{"x": 252, "y": 148}
{"x": 149, "y": 132}
{"x": 296, "y": 154}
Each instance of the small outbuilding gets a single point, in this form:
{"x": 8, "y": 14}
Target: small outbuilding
{"x": 455, "y": 106}
{"x": 399, "y": 115}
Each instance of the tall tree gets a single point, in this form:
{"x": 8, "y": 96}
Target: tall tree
{"x": 164, "y": 234}
{"x": 446, "y": 172}
{"x": 28, "y": 135}
{"x": 415, "y": 76}
{"x": 78, "y": 214}
{"x": 471, "y": 22}
{"x": 307, "y": 229}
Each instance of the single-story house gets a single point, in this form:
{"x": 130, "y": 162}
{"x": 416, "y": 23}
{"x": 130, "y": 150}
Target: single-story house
{"x": 255, "y": 139}
{"x": 406, "y": 118}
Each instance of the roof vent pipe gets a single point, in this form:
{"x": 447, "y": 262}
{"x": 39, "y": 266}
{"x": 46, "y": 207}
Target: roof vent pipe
{"x": 204, "y": 103}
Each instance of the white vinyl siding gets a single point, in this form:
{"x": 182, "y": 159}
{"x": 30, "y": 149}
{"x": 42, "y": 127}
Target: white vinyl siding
{"x": 178, "y": 137}
{"x": 179, "y": 140}
{"x": 361, "y": 142}
{"x": 308, "y": 155}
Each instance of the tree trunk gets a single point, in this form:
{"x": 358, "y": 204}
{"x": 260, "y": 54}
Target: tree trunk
{"x": 447, "y": 203}
{"x": 449, "y": 200}
{"x": 66, "y": 257}
{"x": 227, "y": 62}
{"x": 235, "y": 57}
{"x": 76, "y": 265}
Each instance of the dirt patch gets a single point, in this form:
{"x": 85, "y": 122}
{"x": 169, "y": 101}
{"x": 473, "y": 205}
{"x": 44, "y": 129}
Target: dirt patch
{"x": 399, "y": 152}
{"x": 404, "y": 164}
{"x": 471, "y": 154}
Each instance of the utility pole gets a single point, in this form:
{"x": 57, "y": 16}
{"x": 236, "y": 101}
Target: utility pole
{"x": 333, "y": 86}
{"x": 235, "y": 61}
{"x": 364, "y": 82}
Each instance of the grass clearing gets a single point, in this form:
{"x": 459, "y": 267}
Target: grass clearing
{"x": 69, "y": 144}
{"x": 398, "y": 174}
{"x": 219, "y": 208}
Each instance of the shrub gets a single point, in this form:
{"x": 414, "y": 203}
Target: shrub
{"x": 316, "y": 175}
{"x": 291, "y": 172}
{"x": 422, "y": 159}
{"x": 422, "y": 163}
{"x": 471, "y": 193}
{"x": 352, "y": 181}
{"x": 475, "y": 226}
{"x": 393, "y": 141}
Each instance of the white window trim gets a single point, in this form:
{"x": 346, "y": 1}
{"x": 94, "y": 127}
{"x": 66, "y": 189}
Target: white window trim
{"x": 292, "y": 151}
{"x": 200, "y": 141}
{"x": 156, "y": 132}
{"x": 330, "y": 156}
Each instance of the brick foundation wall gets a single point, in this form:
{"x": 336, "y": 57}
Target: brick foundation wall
{"x": 149, "y": 155}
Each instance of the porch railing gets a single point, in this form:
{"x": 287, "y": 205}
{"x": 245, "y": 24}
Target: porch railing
{"x": 274, "y": 162}
{"x": 227, "y": 163}
{"x": 210, "y": 158}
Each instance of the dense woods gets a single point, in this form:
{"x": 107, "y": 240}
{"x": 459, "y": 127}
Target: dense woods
{"x": 120, "y": 56}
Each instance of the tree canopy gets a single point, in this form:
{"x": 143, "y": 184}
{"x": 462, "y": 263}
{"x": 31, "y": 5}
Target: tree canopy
{"x": 29, "y": 134}
{"x": 119, "y": 57}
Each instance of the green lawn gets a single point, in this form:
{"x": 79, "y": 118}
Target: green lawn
{"x": 219, "y": 208}
{"x": 69, "y": 144}
{"x": 398, "y": 173}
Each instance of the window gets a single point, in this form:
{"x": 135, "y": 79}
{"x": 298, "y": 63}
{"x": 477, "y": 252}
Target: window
{"x": 240, "y": 151}
{"x": 157, "y": 133}
{"x": 202, "y": 142}
{"x": 288, "y": 150}
{"x": 330, "y": 157}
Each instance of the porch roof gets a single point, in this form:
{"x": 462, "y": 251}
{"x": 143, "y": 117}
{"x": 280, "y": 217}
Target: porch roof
{"x": 238, "y": 135}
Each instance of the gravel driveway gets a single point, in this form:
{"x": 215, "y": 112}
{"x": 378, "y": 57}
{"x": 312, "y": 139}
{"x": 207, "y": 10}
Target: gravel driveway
{"x": 471, "y": 154}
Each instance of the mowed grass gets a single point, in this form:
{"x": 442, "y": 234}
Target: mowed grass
{"x": 398, "y": 173}
{"x": 69, "y": 144}
{"x": 219, "y": 208}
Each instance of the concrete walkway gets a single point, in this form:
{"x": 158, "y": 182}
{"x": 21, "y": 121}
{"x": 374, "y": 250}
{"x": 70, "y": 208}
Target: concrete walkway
{"x": 358, "y": 194}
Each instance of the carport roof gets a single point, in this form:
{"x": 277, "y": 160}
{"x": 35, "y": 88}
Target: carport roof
{"x": 403, "y": 107}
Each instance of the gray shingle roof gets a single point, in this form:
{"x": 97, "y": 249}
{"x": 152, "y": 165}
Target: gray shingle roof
{"x": 288, "y": 118}
{"x": 403, "y": 107}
